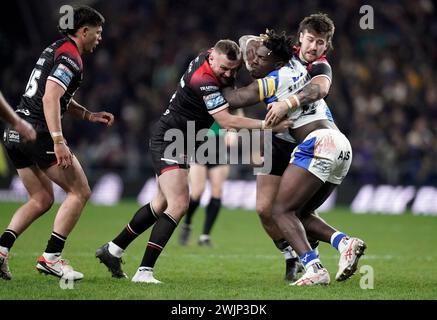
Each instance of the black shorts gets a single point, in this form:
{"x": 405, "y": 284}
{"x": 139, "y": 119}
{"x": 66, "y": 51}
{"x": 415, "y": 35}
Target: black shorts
{"x": 161, "y": 161}
{"x": 25, "y": 154}
{"x": 216, "y": 156}
{"x": 281, "y": 153}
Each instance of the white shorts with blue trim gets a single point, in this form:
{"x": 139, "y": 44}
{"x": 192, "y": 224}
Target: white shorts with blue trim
{"x": 326, "y": 153}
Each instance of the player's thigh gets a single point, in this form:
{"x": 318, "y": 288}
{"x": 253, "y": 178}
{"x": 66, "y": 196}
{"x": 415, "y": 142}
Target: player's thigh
{"x": 174, "y": 186}
{"x": 71, "y": 179}
{"x": 266, "y": 190}
{"x": 297, "y": 187}
{"x": 37, "y": 184}
{"x": 197, "y": 178}
{"x": 217, "y": 176}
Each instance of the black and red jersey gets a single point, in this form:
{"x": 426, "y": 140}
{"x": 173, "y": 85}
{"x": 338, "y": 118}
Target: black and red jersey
{"x": 198, "y": 95}
{"x": 61, "y": 63}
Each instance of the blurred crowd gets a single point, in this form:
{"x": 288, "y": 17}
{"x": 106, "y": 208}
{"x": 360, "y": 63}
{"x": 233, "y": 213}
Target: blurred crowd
{"x": 383, "y": 96}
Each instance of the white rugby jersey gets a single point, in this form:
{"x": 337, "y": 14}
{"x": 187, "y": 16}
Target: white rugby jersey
{"x": 290, "y": 79}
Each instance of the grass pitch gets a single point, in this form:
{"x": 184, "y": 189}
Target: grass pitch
{"x": 243, "y": 264}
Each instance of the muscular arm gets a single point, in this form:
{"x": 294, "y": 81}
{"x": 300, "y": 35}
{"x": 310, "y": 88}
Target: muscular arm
{"x": 52, "y": 106}
{"x": 23, "y": 127}
{"x": 6, "y": 111}
{"x": 242, "y": 97}
{"x": 228, "y": 121}
{"x": 78, "y": 111}
{"x": 317, "y": 89}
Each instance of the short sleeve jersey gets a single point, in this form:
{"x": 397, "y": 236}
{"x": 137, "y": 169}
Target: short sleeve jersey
{"x": 61, "y": 63}
{"x": 198, "y": 95}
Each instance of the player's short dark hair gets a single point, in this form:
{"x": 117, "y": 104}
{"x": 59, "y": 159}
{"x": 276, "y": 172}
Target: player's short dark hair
{"x": 318, "y": 23}
{"x": 280, "y": 44}
{"x": 229, "y": 48}
{"x": 83, "y": 16}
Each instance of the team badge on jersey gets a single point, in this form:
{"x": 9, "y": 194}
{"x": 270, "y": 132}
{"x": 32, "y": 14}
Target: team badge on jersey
{"x": 64, "y": 74}
{"x": 214, "y": 100}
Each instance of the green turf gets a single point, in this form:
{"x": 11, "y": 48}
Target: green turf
{"x": 244, "y": 264}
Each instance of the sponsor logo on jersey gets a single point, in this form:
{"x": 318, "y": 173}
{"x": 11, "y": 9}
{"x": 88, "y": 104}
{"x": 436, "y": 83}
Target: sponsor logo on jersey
{"x": 64, "y": 74}
{"x": 214, "y": 100}
{"x": 70, "y": 62}
{"x": 209, "y": 88}
{"x": 11, "y": 136}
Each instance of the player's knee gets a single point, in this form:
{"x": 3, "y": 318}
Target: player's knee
{"x": 195, "y": 196}
{"x": 216, "y": 192}
{"x": 264, "y": 211}
{"x": 44, "y": 201}
{"x": 280, "y": 209}
{"x": 178, "y": 206}
{"x": 159, "y": 205}
{"x": 84, "y": 193}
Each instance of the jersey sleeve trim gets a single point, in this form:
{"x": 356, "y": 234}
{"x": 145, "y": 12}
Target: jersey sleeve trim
{"x": 322, "y": 75}
{"x": 225, "y": 106}
{"x": 267, "y": 87}
{"x": 59, "y": 82}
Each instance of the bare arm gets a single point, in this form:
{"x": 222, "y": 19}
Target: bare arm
{"x": 80, "y": 112}
{"x": 242, "y": 97}
{"x": 6, "y": 112}
{"x": 228, "y": 121}
{"x": 24, "y": 128}
{"x": 317, "y": 89}
{"x": 52, "y": 113}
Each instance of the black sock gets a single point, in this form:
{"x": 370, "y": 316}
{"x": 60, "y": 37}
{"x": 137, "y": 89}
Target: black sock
{"x": 8, "y": 238}
{"x": 142, "y": 220}
{"x": 56, "y": 243}
{"x": 191, "y": 209}
{"x": 161, "y": 233}
{"x": 212, "y": 211}
{"x": 314, "y": 244}
{"x": 281, "y": 244}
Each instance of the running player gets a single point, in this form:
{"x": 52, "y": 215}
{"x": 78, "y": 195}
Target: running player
{"x": 48, "y": 96}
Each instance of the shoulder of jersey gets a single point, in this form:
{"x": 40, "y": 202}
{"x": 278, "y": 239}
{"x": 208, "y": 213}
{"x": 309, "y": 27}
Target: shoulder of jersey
{"x": 203, "y": 73}
{"x": 322, "y": 59}
{"x": 69, "y": 49}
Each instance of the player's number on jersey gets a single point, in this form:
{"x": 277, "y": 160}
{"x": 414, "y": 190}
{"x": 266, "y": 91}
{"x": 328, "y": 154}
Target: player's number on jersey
{"x": 32, "y": 85}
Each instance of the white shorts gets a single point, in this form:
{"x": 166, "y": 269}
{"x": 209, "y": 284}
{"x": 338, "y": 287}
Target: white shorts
{"x": 326, "y": 153}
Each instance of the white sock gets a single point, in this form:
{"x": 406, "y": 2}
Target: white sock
{"x": 115, "y": 250}
{"x": 314, "y": 261}
{"x": 51, "y": 256}
{"x": 289, "y": 253}
{"x": 204, "y": 237}
{"x": 4, "y": 250}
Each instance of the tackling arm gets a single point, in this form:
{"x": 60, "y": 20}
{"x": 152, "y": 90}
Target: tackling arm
{"x": 317, "y": 89}
{"x": 242, "y": 97}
